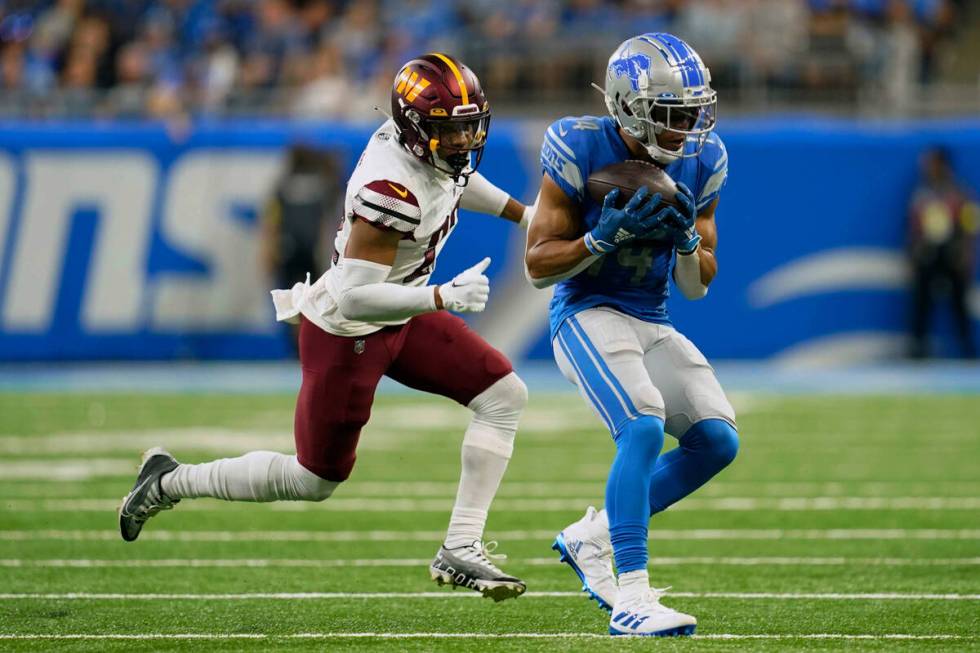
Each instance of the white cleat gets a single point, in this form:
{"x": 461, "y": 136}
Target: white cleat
{"x": 646, "y": 617}
{"x": 585, "y": 547}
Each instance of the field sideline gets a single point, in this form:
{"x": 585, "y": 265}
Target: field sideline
{"x": 845, "y": 522}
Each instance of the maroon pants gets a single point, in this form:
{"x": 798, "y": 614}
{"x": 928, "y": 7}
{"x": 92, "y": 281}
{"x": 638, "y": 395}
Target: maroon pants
{"x": 434, "y": 352}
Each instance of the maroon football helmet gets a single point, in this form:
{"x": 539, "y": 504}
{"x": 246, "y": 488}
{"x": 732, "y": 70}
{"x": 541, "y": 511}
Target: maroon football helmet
{"x": 437, "y": 103}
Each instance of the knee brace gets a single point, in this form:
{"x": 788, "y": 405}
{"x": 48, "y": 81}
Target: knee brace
{"x": 496, "y": 412}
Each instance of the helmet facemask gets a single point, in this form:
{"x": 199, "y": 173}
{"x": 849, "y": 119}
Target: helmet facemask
{"x": 461, "y": 136}
{"x": 687, "y": 120}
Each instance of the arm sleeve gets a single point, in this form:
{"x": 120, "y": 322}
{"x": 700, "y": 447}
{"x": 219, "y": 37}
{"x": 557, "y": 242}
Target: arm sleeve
{"x": 482, "y": 196}
{"x": 687, "y": 275}
{"x": 388, "y": 205}
{"x": 365, "y": 296}
{"x": 560, "y": 162}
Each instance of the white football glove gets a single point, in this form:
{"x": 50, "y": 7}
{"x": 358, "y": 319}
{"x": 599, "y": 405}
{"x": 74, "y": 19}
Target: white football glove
{"x": 469, "y": 290}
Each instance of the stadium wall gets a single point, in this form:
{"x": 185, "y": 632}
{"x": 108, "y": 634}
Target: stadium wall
{"x": 140, "y": 241}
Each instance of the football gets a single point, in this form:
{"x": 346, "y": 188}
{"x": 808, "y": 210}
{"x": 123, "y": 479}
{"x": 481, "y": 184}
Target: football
{"x": 628, "y": 176}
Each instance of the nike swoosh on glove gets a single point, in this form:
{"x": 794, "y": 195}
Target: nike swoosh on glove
{"x": 469, "y": 290}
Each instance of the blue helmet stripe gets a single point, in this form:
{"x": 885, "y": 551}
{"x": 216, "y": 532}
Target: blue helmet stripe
{"x": 687, "y": 58}
{"x": 670, "y": 54}
{"x": 678, "y": 61}
{"x": 690, "y": 71}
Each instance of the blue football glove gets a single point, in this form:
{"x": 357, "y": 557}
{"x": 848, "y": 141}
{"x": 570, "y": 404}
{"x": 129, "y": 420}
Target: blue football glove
{"x": 680, "y": 223}
{"x": 619, "y": 226}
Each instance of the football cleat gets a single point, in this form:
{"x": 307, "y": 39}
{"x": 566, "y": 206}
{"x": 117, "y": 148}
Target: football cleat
{"x": 146, "y": 498}
{"x": 645, "y": 616}
{"x": 585, "y": 547}
{"x": 471, "y": 566}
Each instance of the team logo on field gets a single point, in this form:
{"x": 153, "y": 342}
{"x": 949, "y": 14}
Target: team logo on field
{"x": 632, "y": 67}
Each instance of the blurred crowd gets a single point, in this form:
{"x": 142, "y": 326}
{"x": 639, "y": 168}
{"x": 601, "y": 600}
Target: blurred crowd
{"x": 336, "y": 58}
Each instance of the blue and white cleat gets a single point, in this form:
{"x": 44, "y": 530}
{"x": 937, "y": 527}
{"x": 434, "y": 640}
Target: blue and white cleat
{"x": 644, "y": 616}
{"x": 585, "y": 547}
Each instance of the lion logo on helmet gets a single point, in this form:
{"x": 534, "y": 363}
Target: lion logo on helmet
{"x": 632, "y": 67}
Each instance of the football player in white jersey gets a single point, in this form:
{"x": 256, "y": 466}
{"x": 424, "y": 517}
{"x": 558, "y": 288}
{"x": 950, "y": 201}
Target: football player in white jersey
{"x": 374, "y": 314}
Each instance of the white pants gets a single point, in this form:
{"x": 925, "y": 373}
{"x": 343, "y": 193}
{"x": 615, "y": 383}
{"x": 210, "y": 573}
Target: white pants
{"x": 625, "y": 367}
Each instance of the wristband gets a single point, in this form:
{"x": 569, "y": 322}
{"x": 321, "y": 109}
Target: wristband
{"x": 593, "y": 245}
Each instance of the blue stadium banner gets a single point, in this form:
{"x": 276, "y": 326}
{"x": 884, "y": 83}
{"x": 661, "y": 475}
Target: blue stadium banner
{"x": 141, "y": 241}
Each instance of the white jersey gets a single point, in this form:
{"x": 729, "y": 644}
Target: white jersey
{"x": 391, "y": 189}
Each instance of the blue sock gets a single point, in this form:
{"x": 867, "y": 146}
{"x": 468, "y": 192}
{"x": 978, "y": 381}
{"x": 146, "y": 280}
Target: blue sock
{"x": 628, "y": 490}
{"x": 705, "y": 450}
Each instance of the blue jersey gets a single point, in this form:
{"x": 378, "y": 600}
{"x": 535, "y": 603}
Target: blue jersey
{"x": 634, "y": 278}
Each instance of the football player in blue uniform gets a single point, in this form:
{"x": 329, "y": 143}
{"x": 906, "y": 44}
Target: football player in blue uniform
{"x": 610, "y": 329}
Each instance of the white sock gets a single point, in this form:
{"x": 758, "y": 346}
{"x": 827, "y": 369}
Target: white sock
{"x": 256, "y": 476}
{"x": 478, "y": 483}
{"x": 487, "y": 447}
{"x": 633, "y": 584}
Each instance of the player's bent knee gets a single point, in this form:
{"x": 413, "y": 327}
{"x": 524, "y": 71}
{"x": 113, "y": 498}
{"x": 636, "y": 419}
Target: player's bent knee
{"x": 720, "y": 440}
{"x": 310, "y": 486}
{"x": 503, "y": 402}
{"x": 496, "y": 412}
{"x": 321, "y": 489}
{"x": 644, "y": 436}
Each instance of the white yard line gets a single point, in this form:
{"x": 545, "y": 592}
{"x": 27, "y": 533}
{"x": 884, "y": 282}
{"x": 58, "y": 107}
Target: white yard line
{"x": 340, "y": 504}
{"x": 835, "y": 534}
{"x": 87, "y": 563}
{"x": 15, "y": 477}
{"x": 292, "y": 596}
{"x": 396, "y": 636}
{"x": 66, "y": 470}
{"x": 64, "y": 482}
{"x": 385, "y": 428}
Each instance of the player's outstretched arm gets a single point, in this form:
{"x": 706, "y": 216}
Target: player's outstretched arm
{"x": 366, "y": 296}
{"x": 482, "y": 196}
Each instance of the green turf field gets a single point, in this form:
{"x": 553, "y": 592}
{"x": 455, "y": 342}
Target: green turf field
{"x": 844, "y": 523}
